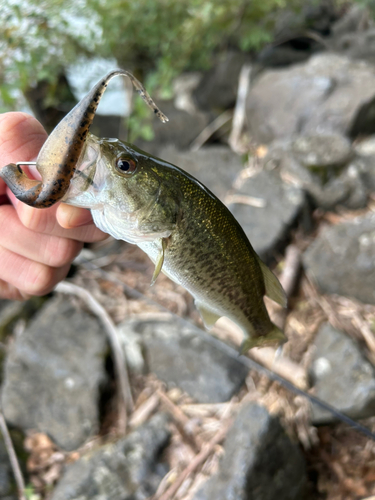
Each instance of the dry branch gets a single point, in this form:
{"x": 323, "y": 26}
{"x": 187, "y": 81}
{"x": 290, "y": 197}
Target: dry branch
{"x": 211, "y": 129}
{"x": 252, "y": 201}
{"x": 281, "y": 365}
{"x": 266, "y": 356}
{"x": 144, "y": 411}
{"x": 288, "y": 280}
{"x": 13, "y": 458}
{"x": 205, "y": 452}
{"x": 240, "y": 109}
{"x": 334, "y": 318}
{"x": 181, "y": 420}
{"x": 125, "y": 397}
{"x": 292, "y": 267}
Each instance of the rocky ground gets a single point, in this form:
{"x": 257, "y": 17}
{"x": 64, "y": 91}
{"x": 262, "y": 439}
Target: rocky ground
{"x": 200, "y": 421}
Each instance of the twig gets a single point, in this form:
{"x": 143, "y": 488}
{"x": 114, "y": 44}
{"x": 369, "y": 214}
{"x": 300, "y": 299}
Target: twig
{"x": 266, "y": 356}
{"x": 211, "y": 129}
{"x": 142, "y": 413}
{"x": 13, "y": 458}
{"x": 204, "y": 410}
{"x": 126, "y": 404}
{"x": 182, "y": 421}
{"x": 288, "y": 280}
{"x": 281, "y": 365}
{"x": 335, "y": 321}
{"x": 252, "y": 201}
{"x": 240, "y": 109}
{"x": 205, "y": 452}
{"x": 292, "y": 267}
{"x": 233, "y": 354}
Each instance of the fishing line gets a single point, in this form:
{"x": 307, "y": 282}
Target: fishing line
{"x": 232, "y": 353}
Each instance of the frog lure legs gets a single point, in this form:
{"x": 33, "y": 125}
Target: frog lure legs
{"x": 185, "y": 230}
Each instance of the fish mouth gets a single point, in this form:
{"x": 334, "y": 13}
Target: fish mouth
{"x": 89, "y": 179}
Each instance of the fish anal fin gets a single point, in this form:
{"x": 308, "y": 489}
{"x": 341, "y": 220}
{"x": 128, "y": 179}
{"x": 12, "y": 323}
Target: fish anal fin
{"x": 274, "y": 290}
{"x": 209, "y": 318}
{"x": 159, "y": 261}
{"x": 273, "y": 338}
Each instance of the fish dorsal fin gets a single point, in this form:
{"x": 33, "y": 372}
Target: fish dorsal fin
{"x": 209, "y": 318}
{"x": 274, "y": 290}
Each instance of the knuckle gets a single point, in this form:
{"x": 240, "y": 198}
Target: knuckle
{"x": 10, "y": 292}
{"x": 61, "y": 251}
{"x": 39, "y": 279}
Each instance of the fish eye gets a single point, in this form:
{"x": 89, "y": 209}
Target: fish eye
{"x": 126, "y": 165}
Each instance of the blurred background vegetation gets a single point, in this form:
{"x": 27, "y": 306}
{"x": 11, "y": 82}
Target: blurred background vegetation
{"x": 156, "y": 39}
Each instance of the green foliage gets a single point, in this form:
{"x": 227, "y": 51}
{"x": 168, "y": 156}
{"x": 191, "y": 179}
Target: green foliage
{"x": 30, "y": 493}
{"x": 140, "y": 122}
{"x": 156, "y": 39}
{"x": 167, "y": 37}
{"x": 369, "y": 4}
{"x": 37, "y": 40}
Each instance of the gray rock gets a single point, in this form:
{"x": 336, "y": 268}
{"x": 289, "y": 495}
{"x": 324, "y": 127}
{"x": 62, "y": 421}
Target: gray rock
{"x": 12, "y": 311}
{"x": 260, "y": 461}
{"x": 267, "y": 227}
{"x": 342, "y": 259}
{"x": 183, "y": 88}
{"x": 290, "y": 24}
{"x": 325, "y": 167}
{"x": 215, "y": 166}
{"x": 352, "y": 21}
{"x": 366, "y": 147}
{"x": 365, "y": 161}
{"x": 218, "y": 88}
{"x": 329, "y": 93}
{"x": 354, "y": 35}
{"x": 341, "y": 376}
{"x": 180, "y": 357}
{"x": 316, "y": 16}
{"x": 53, "y": 374}
{"x": 129, "y": 469}
{"x": 180, "y": 131}
{"x": 357, "y": 46}
{"x": 319, "y": 151}
{"x": 7, "y": 484}
{"x": 284, "y": 55}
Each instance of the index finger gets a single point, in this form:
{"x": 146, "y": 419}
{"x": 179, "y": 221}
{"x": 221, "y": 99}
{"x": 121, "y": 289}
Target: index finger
{"x": 21, "y": 137}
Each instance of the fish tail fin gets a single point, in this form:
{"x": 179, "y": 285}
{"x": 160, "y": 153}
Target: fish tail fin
{"x": 275, "y": 337}
{"x": 274, "y": 290}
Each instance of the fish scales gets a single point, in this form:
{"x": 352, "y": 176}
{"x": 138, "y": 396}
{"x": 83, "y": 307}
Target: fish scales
{"x": 209, "y": 255}
{"x": 188, "y": 233}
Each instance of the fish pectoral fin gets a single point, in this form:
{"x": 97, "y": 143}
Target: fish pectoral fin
{"x": 273, "y": 338}
{"x": 274, "y": 290}
{"x": 209, "y": 318}
{"x": 159, "y": 261}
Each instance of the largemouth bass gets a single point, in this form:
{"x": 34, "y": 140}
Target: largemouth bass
{"x": 184, "y": 228}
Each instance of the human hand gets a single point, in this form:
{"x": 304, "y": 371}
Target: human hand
{"x": 37, "y": 246}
